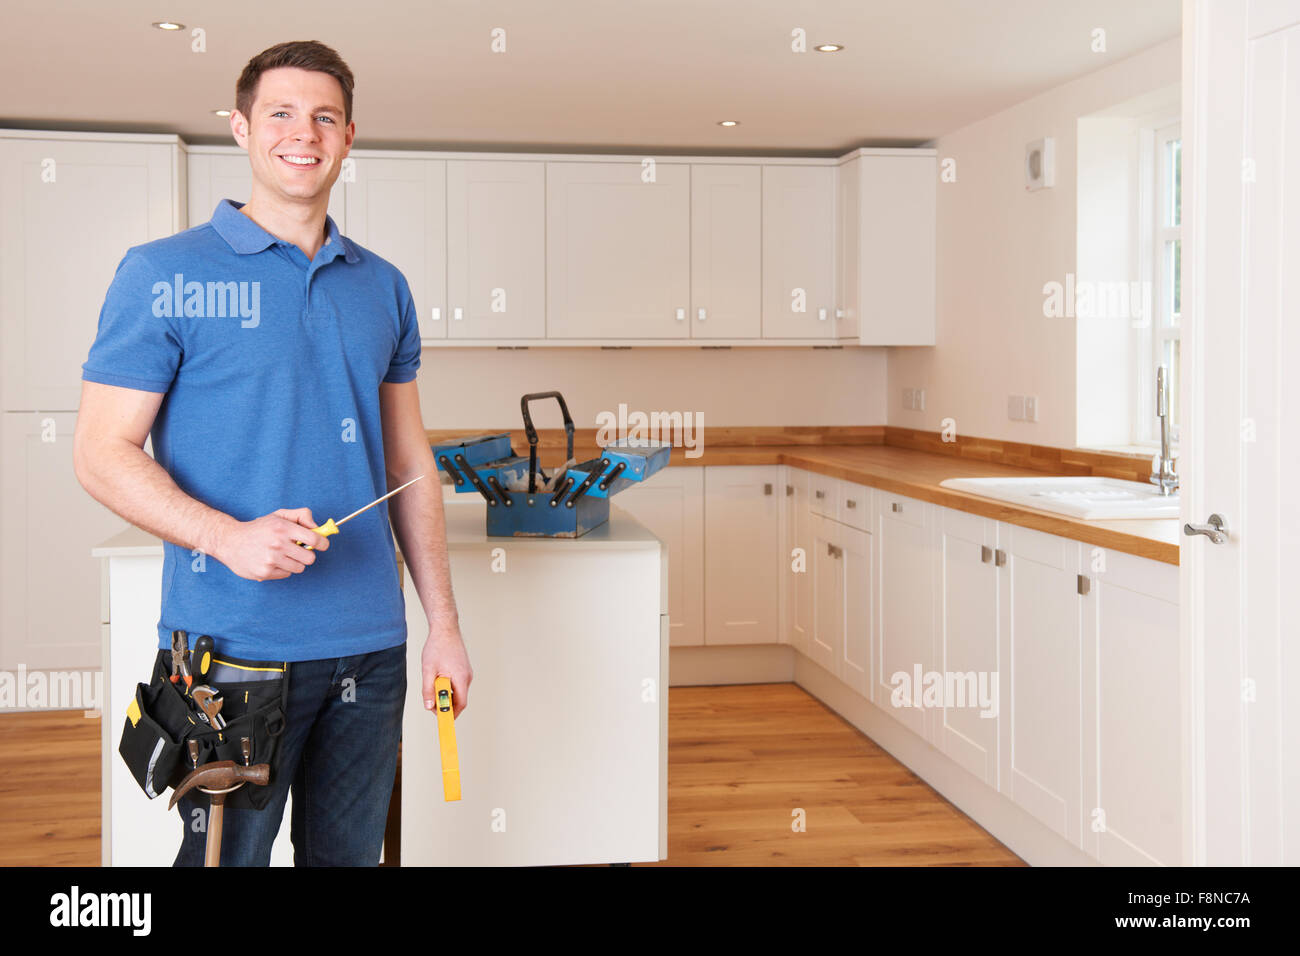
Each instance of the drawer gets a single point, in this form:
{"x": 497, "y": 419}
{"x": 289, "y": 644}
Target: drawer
{"x": 855, "y": 505}
{"x": 824, "y": 496}
{"x": 900, "y": 508}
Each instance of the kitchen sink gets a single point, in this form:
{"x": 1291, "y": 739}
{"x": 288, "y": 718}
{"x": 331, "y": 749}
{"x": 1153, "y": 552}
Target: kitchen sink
{"x": 1078, "y": 497}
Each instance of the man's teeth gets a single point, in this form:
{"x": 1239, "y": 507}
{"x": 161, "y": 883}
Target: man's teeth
{"x": 301, "y": 160}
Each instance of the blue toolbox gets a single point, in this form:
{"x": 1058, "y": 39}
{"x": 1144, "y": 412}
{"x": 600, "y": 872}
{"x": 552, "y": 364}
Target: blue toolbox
{"x": 523, "y": 501}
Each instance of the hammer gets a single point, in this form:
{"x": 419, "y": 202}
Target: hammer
{"x": 216, "y": 780}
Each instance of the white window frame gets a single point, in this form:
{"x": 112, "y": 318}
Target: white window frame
{"x": 1152, "y": 336}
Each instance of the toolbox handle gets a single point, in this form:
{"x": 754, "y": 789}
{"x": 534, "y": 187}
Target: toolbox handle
{"x": 531, "y": 432}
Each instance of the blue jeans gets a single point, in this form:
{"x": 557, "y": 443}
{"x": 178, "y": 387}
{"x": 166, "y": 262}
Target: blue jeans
{"x": 343, "y": 723}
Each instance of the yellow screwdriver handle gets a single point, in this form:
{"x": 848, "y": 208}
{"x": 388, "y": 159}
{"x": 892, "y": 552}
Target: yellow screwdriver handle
{"x": 447, "y": 738}
{"x": 325, "y": 530}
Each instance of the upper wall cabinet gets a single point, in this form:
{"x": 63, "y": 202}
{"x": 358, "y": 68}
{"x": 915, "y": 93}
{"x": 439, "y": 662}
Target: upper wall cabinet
{"x": 496, "y": 250}
{"x": 886, "y": 230}
{"x": 726, "y": 252}
{"x": 397, "y": 208}
{"x": 222, "y": 172}
{"x": 70, "y": 207}
{"x": 618, "y": 261}
{"x": 799, "y": 252}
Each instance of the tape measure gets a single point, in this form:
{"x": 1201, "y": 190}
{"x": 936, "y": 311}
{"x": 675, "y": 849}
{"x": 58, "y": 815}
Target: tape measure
{"x": 447, "y": 738}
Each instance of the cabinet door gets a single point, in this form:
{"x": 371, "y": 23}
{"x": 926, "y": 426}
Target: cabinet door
{"x": 848, "y": 224}
{"x": 855, "y": 655}
{"x": 967, "y": 645}
{"x": 50, "y": 610}
{"x": 1133, "y": 709}
{"x": 1039, "y": 748}
{"x": 397, "y": 208}
{"x": 740, "y": 554}
{"x": 68, "y": 213}
{"x": 796, "y": 560}
{"x": 617, "y": 251}
{"x": 896, "y": 250}
{"x": 496, "y": 250}
{"x": 798, "y": 252}
{"x": 672, "y": 507}
{"x": 214, "y": 176}
{"x": 827, "y": 566}
{"x": 905, "y": 575}
{"x": 726, "y": 252}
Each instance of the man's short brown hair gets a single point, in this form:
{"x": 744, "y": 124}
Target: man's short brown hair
{"x": 303, "y": 54}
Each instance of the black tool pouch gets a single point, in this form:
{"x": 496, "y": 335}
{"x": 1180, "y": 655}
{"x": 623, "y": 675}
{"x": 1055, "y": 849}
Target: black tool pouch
{"x": 162, "y": 719}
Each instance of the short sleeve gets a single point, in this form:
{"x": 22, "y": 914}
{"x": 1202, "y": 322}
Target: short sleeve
{"x": 406, "y": 357}
{"x": 137, "y": 344}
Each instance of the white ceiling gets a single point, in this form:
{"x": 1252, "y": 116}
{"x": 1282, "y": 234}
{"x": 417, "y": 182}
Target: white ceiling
{"x": 591, "y": 75}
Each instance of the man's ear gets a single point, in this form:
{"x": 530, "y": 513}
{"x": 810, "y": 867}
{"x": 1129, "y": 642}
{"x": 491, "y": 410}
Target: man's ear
{"x": 239, "y": 128}
{"x": 350, "y": 137}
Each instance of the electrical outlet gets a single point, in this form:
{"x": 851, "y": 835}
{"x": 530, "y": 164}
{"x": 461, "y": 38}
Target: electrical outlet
{"x": 1016, "y": 408}
{"x": 1031, "y": 408}
{"x": 918, "y": 399}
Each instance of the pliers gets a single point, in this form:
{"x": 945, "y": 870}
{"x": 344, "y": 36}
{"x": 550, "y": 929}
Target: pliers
{"x": 181, "y": 658}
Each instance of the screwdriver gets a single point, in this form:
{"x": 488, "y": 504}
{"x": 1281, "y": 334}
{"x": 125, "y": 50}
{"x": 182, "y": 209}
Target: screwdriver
{"x": 332, "y": 527}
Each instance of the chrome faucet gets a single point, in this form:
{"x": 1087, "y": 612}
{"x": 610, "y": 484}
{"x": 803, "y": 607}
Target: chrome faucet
{"x": 1162, "y": 470}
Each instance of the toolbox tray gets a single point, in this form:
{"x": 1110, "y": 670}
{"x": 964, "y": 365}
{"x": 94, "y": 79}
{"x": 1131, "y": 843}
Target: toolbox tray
{"x": 580, "y": 500}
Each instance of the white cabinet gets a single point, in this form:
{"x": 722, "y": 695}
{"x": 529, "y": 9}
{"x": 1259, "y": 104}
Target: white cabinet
{"x": 796, "y": 561}
{"x": 222, "y": 172}
{"x": 672, "y": 507}
{"x": 496, "y": 250}
{"x": 1039, "y": 749}
{"x": 966, "y": 726}
{"x": 726, "y": 252}
{"x": 69, "y": 210}
{"x": 854, "y": 555}
{"x": 397, "y": 208}
{"x": 799, "y": 252}
{"x": 618, "y": 255}
{"x": 904, "y": 588}
{"x": 886, "y": 225}
{"x": 741, "y": 569}
{"x": 1133, "y": 732}
{"x": 50, "y": 611}
{"x": 827, "y": 567}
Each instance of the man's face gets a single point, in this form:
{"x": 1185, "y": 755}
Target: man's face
{"x": 295, "y": 134}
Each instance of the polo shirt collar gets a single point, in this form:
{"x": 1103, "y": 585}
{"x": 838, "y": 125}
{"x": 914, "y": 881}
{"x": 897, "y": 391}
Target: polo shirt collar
{"x": 246, "y": 237}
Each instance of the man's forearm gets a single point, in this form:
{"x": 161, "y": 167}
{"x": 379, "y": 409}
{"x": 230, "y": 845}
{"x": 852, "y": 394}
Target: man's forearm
{"x": 126, "y": 480}
{"x": 420, "y": 526}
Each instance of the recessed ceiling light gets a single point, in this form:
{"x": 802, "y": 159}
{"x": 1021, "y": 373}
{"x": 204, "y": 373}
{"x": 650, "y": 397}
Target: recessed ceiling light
{"x": 221, "y": 112}
{"x": 728, "y": 123}
{"x": 829, "y": 47}
{"x": 168, "y": 25}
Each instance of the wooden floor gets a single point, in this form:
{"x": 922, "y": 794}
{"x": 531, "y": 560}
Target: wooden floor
{"x": 741, "y": 761}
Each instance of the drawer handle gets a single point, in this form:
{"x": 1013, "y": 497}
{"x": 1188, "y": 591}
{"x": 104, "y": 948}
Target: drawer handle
{"x": 851, "y": 503}
{"x": 986, "y": 553}
{"x": 895, "y": 507}
{"x": 767, "y": 488}
{"x": 789, "y": 490}
{"x": 820, "y": 495}
{"x": 1000, "y": 557}
{"x": 833, "y": 551}
{"x": 1085, "y": 584}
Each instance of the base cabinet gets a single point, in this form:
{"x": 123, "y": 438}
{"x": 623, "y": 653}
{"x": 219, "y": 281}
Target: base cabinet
{"x": 741, "y": 534}
{"x": 904, "y": 645}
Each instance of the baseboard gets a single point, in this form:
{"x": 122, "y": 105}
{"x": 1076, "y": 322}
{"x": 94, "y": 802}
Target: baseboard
{"x": 740, "y": 664}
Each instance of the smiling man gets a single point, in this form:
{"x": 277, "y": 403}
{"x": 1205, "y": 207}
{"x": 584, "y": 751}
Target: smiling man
{"x": 261, "y": 423}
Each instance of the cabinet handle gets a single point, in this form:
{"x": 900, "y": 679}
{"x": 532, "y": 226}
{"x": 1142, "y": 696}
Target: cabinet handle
{"x": 457, "y": 314}
{"x": 437, "y": 314}
{"x": 895, "y": 507}
{"x": 767, "y": 488}
{"x": 1085, "y": 584}
{"x": 821, "y": 315}
{"x": 819, "y": 495}
{"x": 986, "y": 553}
{"x": 833, "y": 551}
{"x": 839, "y": 313}
{"x": 789, "y": 490}
{"x": 1000, "y": 557}
{"x": 702, "y": 315}
{"x": 681, "y": 315}
{"x": 851, "y": 503}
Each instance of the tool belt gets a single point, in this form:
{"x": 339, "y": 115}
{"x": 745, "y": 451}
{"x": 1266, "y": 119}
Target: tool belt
{"x": 165, "y": 737}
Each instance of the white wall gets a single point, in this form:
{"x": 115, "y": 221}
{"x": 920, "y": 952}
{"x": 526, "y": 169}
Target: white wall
{"x": 480, "y": 388}
{"x": 997, "y": 246}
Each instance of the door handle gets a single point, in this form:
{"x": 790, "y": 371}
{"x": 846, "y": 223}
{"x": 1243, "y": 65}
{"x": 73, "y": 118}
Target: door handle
{"x": 1216, "y": 529}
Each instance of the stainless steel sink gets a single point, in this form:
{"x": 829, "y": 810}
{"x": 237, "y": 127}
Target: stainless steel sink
{"x": 1078, "y": 497}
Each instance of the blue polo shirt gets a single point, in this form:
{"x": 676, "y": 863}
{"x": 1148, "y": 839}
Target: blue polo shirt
{"x": 271, "y": 366}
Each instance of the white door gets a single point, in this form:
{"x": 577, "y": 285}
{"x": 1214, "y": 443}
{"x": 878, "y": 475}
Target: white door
{"x": 618, "y": 251}
{"x": 397, "y": 208}
{"x": 1241, "y": 127}
{"x": 726, "y": 251}
{"x": 796, "y": 561}
{"x": 496, "y": 250}
{"x": 827, "y": 567}
{"x": 799, "y": 223}
{"x": 855, "y": 653}
{"x": 904, "y": 592}
{"x": 741, "y": 532}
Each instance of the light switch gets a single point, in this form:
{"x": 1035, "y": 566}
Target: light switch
{"x": 1016, "y": 408}
{"x": 1031, "y": 408}
{"x": 918, "y": 399}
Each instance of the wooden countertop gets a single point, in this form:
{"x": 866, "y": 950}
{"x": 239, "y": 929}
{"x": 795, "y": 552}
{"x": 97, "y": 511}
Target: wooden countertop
{"x": 917, "y": 474}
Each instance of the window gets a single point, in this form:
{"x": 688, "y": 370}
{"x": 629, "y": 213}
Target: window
{"x": 1163, "y": 332}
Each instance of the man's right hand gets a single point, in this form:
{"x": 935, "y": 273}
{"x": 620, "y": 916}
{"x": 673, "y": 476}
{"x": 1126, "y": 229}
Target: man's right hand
{"x": 267, "y": 549}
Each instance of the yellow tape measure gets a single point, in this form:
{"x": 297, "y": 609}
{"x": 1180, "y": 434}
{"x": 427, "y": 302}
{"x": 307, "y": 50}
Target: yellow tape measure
{"x": 447, "y": 738}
